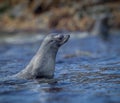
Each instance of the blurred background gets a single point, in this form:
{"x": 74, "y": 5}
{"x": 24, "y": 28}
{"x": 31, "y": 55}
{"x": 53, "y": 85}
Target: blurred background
{"x": 71, "y": 15}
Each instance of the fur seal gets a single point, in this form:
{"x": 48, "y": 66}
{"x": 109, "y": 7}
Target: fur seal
{"x": 42, "y": 64}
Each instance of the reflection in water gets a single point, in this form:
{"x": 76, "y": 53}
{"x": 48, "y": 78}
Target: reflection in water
{"x": 87, "y": 73}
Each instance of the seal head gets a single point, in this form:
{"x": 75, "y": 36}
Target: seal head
{"x": 56, "y": 40}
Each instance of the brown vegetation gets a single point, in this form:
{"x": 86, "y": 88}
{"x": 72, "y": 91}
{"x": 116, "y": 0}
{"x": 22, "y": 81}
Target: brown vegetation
{"x": 56, "y": 14}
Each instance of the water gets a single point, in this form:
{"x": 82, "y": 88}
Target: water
{"x": 87, "y": 71}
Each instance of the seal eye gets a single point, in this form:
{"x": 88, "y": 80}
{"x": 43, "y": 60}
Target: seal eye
{"x": 59, "y": 37}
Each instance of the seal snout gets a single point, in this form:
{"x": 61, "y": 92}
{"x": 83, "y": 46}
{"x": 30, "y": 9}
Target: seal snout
{"x": 64, "y": 39}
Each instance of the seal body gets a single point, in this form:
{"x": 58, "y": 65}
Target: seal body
{"x": 42, "y": 64}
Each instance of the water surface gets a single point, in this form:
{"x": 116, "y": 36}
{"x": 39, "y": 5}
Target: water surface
{"x": 87, "y": 71}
